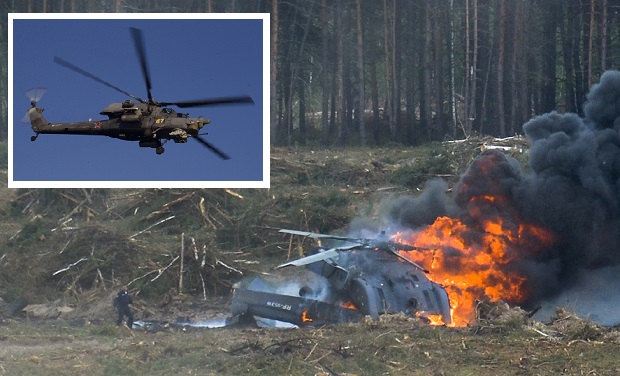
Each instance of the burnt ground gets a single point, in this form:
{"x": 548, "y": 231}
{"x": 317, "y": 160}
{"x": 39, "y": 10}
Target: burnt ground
{"x": 56, "y": 315}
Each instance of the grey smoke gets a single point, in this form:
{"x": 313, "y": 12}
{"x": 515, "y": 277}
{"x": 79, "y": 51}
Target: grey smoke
{"x": 572, "y": 188}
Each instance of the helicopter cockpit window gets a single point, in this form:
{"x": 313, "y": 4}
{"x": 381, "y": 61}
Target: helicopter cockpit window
{"x": 167, "y": 111}
{"x": 182, "y": 115}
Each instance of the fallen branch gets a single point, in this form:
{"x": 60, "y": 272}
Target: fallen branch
{"x": 142, "y": 276}
{"x": 180, "y": 199}
{"x": 228, "y": 267}
{"x": 70, "y": 266}
{"x": 151, "y": 226}
{"x": 542, "y": 333}
{"x": 63, "y": 223}
{"x": 161, "y": 271}
{"x": 203, "y": 212}
{"x": 233, "y": 193}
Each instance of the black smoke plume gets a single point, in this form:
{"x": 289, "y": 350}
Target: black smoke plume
{"x": 572, "y": 188}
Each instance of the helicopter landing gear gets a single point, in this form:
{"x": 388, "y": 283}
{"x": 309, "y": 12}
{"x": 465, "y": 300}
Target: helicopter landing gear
{"x": 32, "y": 138}
{"x": 160, "y": 150}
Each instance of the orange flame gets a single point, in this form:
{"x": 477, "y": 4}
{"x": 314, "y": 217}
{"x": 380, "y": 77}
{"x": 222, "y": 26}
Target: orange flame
{"x": 348, "y": 304}
{"x": 433, "y": 319}
{"x": 473, "y": 261}
{"x": 304, "y": 316}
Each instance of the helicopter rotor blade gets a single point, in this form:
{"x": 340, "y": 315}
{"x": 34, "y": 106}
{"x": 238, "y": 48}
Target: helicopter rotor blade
{"x": 81, "y": 71}
{"x": 35, "y": 94}
{"x": 315, "y": 235}
{"x": 211, "y": 101}
{"x": 139, "y": 43}
{"x": 330, "y": 253}
{"x": 217, "y": 151}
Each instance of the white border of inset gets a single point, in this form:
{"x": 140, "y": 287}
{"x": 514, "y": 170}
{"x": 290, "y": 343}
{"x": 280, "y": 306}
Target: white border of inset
{"x": 265, "y": 183}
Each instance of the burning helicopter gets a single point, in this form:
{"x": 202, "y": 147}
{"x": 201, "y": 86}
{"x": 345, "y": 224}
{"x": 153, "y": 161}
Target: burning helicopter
{"x": 343, "y": 283}
{"x": 147, "y": 121}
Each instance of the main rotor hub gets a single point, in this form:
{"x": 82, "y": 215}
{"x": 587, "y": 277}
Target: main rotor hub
{"x": 128, "y": 104}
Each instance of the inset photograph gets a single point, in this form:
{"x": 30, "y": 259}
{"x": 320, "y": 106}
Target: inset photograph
{"x": 146, "y": 100}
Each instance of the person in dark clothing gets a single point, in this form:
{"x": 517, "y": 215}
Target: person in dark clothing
{"x": 122, "y": 302}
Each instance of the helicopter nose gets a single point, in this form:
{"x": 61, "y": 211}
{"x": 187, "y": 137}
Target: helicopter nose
{"x": 198, "y": 124}
{"x": 202, "y": 122}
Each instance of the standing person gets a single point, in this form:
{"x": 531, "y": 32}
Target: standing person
{"x": 122, "y": 302}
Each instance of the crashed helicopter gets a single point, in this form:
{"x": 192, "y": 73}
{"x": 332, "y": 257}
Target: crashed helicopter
{"x": 147, "y": 121}
{"x": 343, "y": 283}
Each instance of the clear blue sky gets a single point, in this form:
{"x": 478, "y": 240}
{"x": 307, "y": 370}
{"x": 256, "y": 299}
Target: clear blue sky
{"x": 188, "y": 59}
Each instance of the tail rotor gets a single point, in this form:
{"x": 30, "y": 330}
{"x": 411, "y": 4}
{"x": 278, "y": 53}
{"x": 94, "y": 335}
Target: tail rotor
{"x": 34, "y": 95}
{"x": 35, "y": 114}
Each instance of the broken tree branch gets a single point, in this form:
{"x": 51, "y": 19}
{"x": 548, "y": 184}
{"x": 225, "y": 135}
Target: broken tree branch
{"x": 228, "y": 267}
{"x": 151, "y": 226}
{"x": 182, "y": 262}
{"x": 161, "y": 271}
{"x": 70, "y": 266}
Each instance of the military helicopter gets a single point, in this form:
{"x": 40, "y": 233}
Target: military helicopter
{"x": 342, "y": 283}
{"x": 147, "y": 121}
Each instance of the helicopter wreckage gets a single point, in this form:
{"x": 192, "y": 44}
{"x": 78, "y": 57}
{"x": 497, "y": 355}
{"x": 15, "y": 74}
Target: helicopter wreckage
{"x": 344, "y": 283}
{"x": 147, "y": 121}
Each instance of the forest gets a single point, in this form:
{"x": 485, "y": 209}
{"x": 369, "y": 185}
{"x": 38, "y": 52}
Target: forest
{"x": 380, "y": 72}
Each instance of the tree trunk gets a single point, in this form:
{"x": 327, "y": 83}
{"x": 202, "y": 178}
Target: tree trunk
{"x": 500, "y": 68}
{"x": 426, "y": 117}
{"x": 472, "y": 64}
{"x": 568, "y": 46}
{"x": 374, "y": 94}
{"x": 438, "y": 37}
{"x": 340, "y": 116}
{"x": 301, "y": 90}
{"x": 360, "y": 71}
{"x": 452, "y": 72}
{"x": 603, "y": 35}
{"x": 274, "y": 126}
{"x": 326, "y": 93}
{"x": 390, "y": 82}
{"x": 591, "y": 41}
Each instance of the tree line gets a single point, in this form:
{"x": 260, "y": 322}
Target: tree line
{"x": 375, "y": 72}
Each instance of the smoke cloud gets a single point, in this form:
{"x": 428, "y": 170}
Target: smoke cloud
{"x": 572, "y": 189}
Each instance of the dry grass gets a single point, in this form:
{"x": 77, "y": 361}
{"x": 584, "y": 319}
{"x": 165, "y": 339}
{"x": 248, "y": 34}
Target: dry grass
{"x": 391, "y": 346}
{"x": 234, "y": 232}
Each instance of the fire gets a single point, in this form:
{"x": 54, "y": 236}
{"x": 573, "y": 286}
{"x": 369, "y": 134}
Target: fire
{"x": 348, "y": 304}
{"x": 476, "y": 255}
{"x": 304, "y": 316}
{"x": 433, "y": 319}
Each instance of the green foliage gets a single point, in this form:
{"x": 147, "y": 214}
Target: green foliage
{"x": 35, "y": 229}
{"x": 117, "y": 365}
{"x": 436, "y": 163}
{"x": 331, "y": 199}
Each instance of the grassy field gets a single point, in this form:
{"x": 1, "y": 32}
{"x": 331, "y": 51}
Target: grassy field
{"x": 391, "y": 346}
{"x": 74, "y": 247}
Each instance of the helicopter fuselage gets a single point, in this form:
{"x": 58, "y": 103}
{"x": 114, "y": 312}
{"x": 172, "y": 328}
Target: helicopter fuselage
{"x": 129, "y": 121}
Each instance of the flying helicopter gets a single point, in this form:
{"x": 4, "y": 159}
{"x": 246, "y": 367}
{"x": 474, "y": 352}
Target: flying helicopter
{"x": 341, "y": 283}
{"x": 147, "y": 121}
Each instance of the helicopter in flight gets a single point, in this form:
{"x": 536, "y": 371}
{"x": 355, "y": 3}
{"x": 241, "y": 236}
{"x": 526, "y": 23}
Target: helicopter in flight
{"x": 147, "y": 121}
